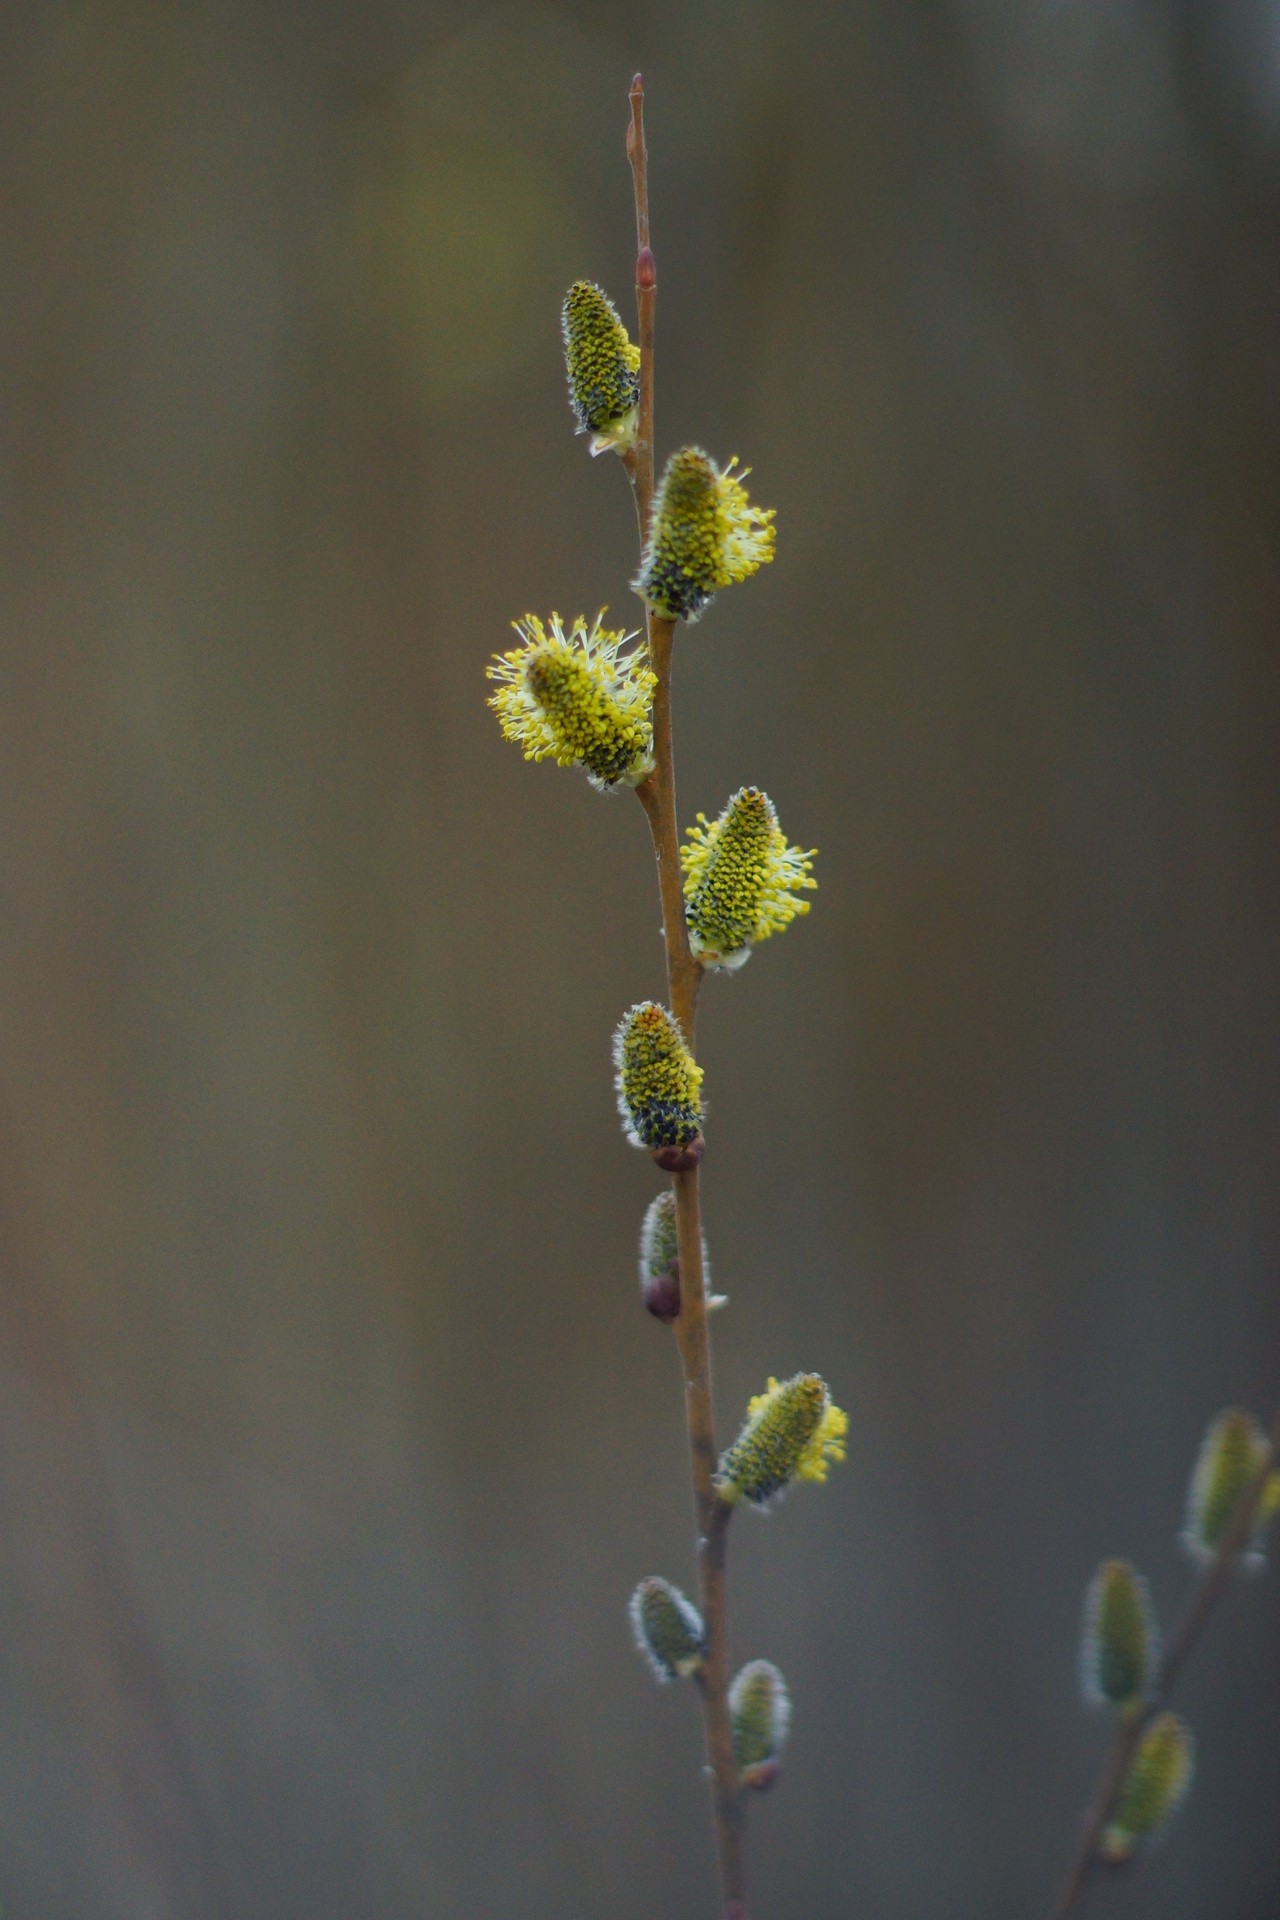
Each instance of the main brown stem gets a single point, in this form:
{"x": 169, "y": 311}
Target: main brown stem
{"x": 658, "y": 797}
{"x": 1128, "y": 1733}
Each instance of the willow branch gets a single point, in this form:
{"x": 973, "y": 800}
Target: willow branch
{"x": 1128, "y": 1733}
{"x": 639, "y": 460}
{"x": 658, "y": 797}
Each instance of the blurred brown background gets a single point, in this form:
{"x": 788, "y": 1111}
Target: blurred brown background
{"x": 332, "y": 1438}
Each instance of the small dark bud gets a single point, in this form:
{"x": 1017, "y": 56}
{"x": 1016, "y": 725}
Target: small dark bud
{"x": 662, "y": 1295}
{"x": 761, "y": 1778}
{"x": 680, "y": 1159}
{"x": 660, "y": 1261}
{"x": 646, "y": 270}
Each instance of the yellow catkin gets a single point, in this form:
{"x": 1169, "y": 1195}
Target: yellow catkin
{"x": 741, "y": 879}
{"x": 793, "y": 1431}
{"x": 576, "y": 698}
{"x": 1158, "y": 1777}
{"x": 705, "y": 535}
{"x": 659, "y": 1082}
{"x": 1231, "y": 1453}
{"x": 603, "y": 368}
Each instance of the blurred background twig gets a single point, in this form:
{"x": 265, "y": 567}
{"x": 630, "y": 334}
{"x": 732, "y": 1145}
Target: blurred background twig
{"x": 1208, "y": 1592}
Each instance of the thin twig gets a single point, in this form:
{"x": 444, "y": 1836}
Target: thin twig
{"x": 639, "y": 461}
{"x": 1128, "y": 1733}
{"x": 658, "y": 797}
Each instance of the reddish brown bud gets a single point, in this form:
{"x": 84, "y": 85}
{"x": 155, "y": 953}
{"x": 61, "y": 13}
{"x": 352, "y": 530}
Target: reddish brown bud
{"x": 762, "y": 1777}
{"x": 660, "y": 1261}
{"x": 646, "y": 271}
{"x": 662, "y": 1295}
{"x": 680, "y": 1159}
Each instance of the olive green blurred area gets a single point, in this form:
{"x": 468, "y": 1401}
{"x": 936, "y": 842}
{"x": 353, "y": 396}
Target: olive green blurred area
{"x": 332, "y": 1435}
